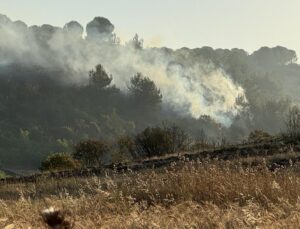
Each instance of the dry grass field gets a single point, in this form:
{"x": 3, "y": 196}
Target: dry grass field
{"x": 212, "y": 194}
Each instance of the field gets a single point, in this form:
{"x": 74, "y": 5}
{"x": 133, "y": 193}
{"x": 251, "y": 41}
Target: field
{"x": 188, "y": 194}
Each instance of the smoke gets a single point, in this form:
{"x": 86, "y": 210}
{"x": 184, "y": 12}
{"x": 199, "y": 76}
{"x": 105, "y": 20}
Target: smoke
{"x": 190, "y": 88}
{"x": 198, "y": 89}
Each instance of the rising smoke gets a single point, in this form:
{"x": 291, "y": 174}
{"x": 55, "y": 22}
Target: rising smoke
{"x": 192, "y": 89}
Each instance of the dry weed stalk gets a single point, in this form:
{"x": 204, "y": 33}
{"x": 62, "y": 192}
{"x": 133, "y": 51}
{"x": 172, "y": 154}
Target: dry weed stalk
{"x": 209, "y": 194}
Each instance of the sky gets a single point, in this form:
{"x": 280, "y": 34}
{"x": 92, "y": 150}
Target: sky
{"x": 247, "y": 24}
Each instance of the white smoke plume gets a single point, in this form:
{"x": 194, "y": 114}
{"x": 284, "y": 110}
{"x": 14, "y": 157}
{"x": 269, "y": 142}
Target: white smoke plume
{"x": 191, "y": 88}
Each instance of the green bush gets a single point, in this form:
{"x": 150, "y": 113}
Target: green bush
{"x": 126, "y": 149}
{"x": 59, "y": 161}
{"x": 90, "y": 152}
{"x": 159, "y": 141}
{"x": 258, "y": 136}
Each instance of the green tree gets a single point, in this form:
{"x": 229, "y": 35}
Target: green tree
{"x": 100, "y": 29}
{"x": 274, "y": 56}
{"x": 99, "y": 78}
{"x": 144, "y": 92}
{"x": 74, "y": 28}
{"x": 59, "y": 161}
{"x": 136, "y": 42}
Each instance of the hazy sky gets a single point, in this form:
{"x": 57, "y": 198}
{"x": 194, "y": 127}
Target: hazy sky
{"x": 247, "y": 24}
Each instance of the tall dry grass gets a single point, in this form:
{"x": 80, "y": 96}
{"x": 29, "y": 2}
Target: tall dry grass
{"x": 210, "y": 194}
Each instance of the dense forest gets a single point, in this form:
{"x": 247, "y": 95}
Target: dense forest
{"x": 61, "y": 85}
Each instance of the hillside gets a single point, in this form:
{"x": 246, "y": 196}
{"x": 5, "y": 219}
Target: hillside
{"x": 50, "y": 98}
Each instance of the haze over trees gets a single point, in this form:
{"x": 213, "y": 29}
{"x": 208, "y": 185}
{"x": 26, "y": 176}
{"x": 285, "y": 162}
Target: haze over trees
{"x": 58, "y": 88}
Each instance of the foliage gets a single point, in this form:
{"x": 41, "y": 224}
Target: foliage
{"x": 180, "y": 140}
{"x": 90, "y": 152}
{"x": 274, "y": 56}
{"x": 293, "y": 122}
{"x": 126, "y": 147}
{"x": 99, "y": 77}
{"x": 144, "y": 91}
{"x": 59, "y": 161}
{"x": 100, "y": 29}
{"x": 73, "y": 27}
{"x": 258, "y": 136}
{"x": 158, "y": 141}
{"x": 136, "y": 42}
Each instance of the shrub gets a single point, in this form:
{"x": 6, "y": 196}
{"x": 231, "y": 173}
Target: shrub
{"x": 89, "y": 152}
{"x": 126, "y": 147}
{"x": 158, "y": 141}
{"x": 179, "y": 138}
{"x": 258, "y": 136}
{"x": 59, "y": 161}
